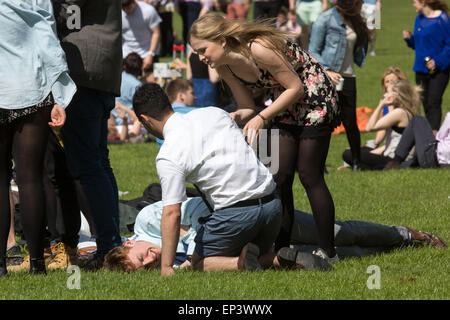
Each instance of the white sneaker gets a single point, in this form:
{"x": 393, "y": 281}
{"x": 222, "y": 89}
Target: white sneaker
{"x": 321, "y": 253}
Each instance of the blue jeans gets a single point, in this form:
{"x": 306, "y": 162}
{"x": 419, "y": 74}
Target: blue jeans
{"x": 418, "y": 133}
{"x": 352, "y": 238}
{"x": 227, "y": 231}
{"x": 85, "y": 142}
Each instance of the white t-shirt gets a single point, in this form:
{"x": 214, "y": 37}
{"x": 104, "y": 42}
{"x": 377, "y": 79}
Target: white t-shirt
{"x": 206, "y": 147}
{"x": 137, "y": 29}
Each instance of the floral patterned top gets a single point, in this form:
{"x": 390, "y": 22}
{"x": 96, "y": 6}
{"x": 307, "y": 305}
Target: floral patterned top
{"x": 318, "y": 106}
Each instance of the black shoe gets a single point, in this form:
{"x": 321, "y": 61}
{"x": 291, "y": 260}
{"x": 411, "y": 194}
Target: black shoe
{"x": 3, "y": 270}
{"x": 14, "y": 250}
{"x": 356, "y": 165}
{"x": 37, "y": 266}
{"x": 92, "y": 265}
{"x": 294, "y": 259}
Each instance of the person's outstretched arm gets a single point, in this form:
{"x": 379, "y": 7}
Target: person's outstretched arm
{"x": 170, "y": 232}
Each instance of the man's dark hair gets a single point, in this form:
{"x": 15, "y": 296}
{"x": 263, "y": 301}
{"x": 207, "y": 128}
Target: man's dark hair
{"x": 126, "y": 3}
{"x": 132, "y": 64}
{"x": 151, "y": 100}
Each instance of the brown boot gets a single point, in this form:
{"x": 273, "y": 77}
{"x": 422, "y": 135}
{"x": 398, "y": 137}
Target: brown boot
{"x": 392, "y": 165}
{"x": 65, "y": 256}
{"x": 422, "y": 238}
{"x": 25, "y": 265}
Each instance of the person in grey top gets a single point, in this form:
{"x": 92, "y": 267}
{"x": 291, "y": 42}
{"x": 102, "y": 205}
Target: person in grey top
{"x": 91, "y": 36}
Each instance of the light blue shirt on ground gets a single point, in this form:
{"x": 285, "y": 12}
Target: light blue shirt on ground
{"x": 128, "y": 87}
{"x": 33, "y": 63}
{"x": 148, "y": 223}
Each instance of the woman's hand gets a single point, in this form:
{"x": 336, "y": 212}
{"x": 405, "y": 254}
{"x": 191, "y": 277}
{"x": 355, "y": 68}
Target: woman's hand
{"x": 406, "y": 34}
{"x": 334, "y": 76}
{"x": 252, "y": 128}
{"x": 431, "y": 65}
{"x": 389, "y": 98}
{"x": 58, "y": 117}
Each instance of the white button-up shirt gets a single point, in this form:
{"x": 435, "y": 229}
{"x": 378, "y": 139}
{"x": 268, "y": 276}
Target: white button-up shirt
{"x": 206, "y": 147}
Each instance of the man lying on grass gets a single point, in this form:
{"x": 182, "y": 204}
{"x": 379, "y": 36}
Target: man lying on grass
{"x": 352, "y": 238}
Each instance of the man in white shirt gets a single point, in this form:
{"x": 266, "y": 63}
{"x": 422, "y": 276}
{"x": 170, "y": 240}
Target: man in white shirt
{"x": 140, "y": 30}
{"x": 206, "y": 148}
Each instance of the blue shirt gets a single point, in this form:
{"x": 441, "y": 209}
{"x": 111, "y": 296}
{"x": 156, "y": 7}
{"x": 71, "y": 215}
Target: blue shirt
{"x": 127, "y": 89}
{"x": 148, "y": 223}
{"x": 370, "y": 1}
{"x": 431, "y": 38}
{"x": 33, "y": 63}
{"x": 177, "y": 107}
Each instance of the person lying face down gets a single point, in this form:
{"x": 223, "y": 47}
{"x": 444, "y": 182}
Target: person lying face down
{"x": 353, "y": 238}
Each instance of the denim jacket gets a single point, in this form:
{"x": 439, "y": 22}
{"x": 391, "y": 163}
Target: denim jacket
{"x": 329, "y": 41}
{"x": 33, "y": 63}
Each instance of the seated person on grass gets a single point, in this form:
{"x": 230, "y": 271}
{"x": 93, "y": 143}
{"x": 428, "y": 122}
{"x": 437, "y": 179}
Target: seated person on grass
{"x": 431, "y": 151}
{"x": 130, "y": 130}
{"x": 131, "y": 72}
{"x": 353, "y": 238}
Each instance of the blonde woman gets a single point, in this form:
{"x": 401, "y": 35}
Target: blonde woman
{"x": 404, "y": 99}
{"x": 303, "y": 107}
{"x": 392, "y": 73}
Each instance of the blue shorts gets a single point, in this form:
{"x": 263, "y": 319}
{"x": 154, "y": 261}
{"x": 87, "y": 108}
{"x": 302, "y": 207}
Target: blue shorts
{"x": 227, "y": 231}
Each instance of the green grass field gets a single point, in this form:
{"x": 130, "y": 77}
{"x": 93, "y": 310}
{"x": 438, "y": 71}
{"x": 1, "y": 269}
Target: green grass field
{"x": 416, "y": 198}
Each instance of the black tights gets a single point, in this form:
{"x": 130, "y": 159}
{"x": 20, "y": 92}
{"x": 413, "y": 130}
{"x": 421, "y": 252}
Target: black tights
{"x": 25, "y": 140}
{"x": 308, "y": 157}
{"x": 347, "y": 103}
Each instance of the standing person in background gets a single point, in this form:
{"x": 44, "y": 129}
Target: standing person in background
{"x": 266, "y": 9}
{"x": 431, "y": 42}
{"x": 238, "y": 9}
{"x": 94, "y": 57}
{"x": 34, "y": 88}
{"x": 307, "y": 11}
{"x": 303, "y": 108}
{"x": 189, "y": 11}
{"x": 140, "y": 31}
{"x": 165, "y": 9}
{"x": 339, "y": 39}
{"x": 369, "y": 12}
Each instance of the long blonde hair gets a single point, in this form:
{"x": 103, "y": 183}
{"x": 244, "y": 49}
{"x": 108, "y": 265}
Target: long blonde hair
{"x": 408, "y": 96}
{"x": 239, "y": 34}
